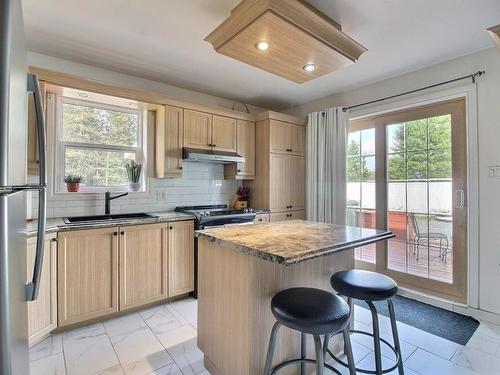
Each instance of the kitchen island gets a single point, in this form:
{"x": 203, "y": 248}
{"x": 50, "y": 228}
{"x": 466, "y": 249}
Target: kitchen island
{"x": 242, "y": 267}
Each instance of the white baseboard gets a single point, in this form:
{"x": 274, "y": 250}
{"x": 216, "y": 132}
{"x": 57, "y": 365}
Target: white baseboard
{"x": 459, "y": 308}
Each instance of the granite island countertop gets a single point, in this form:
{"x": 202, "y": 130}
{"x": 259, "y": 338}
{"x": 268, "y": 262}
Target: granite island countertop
{"x": 58, "y": 224}
{"x": 290, "y": 242}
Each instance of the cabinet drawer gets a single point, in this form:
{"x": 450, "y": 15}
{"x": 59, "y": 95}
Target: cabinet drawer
{"x": 261, "y": 218}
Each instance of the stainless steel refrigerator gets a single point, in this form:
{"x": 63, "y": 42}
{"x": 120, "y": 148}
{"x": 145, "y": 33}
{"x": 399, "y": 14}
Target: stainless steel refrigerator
{"x": 15, "y": 85}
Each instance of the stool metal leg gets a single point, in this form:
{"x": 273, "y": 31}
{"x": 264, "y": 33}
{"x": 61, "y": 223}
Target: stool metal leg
{"x": 348, "y": 351}
{"x": 303, "y": 352}
{"x": 350, "y": 302}
{"x": 376, "y": 338}
{"x": 395, "y": 335}
{"x": 270, "y": 349}
{"x": 320, "y": 358}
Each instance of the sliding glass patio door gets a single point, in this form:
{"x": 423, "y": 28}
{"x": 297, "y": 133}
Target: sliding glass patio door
{"x": 406, "y": 172}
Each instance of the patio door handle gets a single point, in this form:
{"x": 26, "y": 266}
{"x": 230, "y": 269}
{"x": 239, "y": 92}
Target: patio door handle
{"x": 459, "y": 198}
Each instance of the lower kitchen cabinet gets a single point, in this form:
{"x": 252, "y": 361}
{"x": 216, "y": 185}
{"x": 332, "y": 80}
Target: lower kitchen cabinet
{"x": 261, "y": 218}
{"x": 103, "y": 271}
{"x": 143, "y": 265}
{"x": 42, "y": 313}
{"x": 180, "y": 258}
{"x": 87, "y": 274}
{"x": 288, "y": 215}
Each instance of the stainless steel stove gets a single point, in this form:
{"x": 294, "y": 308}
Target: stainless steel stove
{"x": 214, "y": 216}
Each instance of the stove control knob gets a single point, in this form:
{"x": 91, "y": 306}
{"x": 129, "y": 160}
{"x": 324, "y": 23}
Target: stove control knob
{"x": 207, "y": 213}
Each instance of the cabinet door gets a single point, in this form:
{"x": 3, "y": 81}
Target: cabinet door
{"x": 297, "y": 136}
{"x": 143, "y": 264}
{"x": 197, "y": 129}
{"x": 87, "y": 274}
{"x": 174, "y": 135}
{"x": 280, "y": 139}
{"x": 42, "y": 313}
{"x": 224, "y": 134}
{"x": 279, "y": 182}
{"x": 261, "y": 218}
{"x": 245, "y": 146}
{"x": 279, "y": 216}
{"x": 296, "y": 180}
{"x": 298, "y": 215}
{"x": 180, "y": 257}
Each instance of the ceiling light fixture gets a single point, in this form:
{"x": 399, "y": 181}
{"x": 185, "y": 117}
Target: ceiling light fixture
{"x": 309, "y": 67}
{"x": 262, "y": 45}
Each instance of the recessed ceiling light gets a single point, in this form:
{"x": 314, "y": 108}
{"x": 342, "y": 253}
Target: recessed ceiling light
{"x": 262, "y": 45}
{"x": 83, "y": 95}
{"x": 309, "y": 67}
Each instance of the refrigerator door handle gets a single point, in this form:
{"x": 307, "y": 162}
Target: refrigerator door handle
{"x": 33, "y": 286}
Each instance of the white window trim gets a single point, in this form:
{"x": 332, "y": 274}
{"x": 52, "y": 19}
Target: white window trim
{"x": 56, "y": 149}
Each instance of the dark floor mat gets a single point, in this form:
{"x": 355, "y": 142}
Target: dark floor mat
{"x": 440, "y": 322}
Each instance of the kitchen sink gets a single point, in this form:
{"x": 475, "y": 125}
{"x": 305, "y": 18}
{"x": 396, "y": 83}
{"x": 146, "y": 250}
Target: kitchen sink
{"x": 107, "y": 218}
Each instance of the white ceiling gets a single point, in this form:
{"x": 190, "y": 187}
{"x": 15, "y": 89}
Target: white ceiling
{"x": 163, "y": 40}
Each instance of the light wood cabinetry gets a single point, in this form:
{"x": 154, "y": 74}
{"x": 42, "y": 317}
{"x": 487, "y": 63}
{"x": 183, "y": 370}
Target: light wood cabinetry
{"x": 289, "y": 215}
{"x": 261, "y": 218}
{"x": 245, "y": 146}
{"x": 143, "y": 265}
{"x": 197, "y": 129}
{"x": 286, "y": 138}
{"x": 223, "y": 134}
{"x": 180, "y": 257}
{"x": 103, "y": 271}
{"x": 42, "y": 313}
{"x": 169, "y": 138}
{"x": 279, "y": 184}
{"x": 87, "y": 274}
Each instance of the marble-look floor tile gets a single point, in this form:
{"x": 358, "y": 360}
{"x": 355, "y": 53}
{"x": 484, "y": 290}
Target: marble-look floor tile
{"x": 138, "y": 350}
{"x": 484, "y": 344}
{"x": 406, "y": 348}
{"x": 359, "y": 352}
{"x": 188, "y": 357}
{"x": 160, "y": 320}
{"x": 187, "y": 308}
{"x": 87, "y": 350}
{"x": 426, "y": 363}
{"x": 115, "y": 370}
{"x": 483, "y": 363}
{"x": 171, "y": 369}
{"x": 50, "y": 346}
{"x": 48, "y": 365}
{"x": 177, "y": 336}
{"x": 368, "y": 363}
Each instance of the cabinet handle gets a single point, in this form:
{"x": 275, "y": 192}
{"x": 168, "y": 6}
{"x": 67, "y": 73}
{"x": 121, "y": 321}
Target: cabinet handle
{"x": 180, "y": 168}
{"x": 170, "y": 227}
{"x": 214, "y": 145}
{"x": 54, "y": 240}
{"x": 38, "y": 161}
{"x": 260, "y": 219}
{"x": 115, "y": 233}
{"x": 239, "y": 170}
{"x": 123, "y": 233}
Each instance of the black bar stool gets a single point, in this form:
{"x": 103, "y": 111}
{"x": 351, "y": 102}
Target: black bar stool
{"x": 315, "y": 312}
{"x": 371, "y": 286}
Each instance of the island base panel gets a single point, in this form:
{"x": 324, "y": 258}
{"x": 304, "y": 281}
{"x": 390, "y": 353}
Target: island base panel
{"x": 234, "y": 315}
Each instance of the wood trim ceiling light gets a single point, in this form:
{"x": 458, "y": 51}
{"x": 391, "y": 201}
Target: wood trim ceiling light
{"x": 495, "y": 35}
{"x": 302, "y": 43}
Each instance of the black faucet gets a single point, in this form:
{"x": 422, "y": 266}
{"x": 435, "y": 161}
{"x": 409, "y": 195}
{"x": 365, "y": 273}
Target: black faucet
{"x": 107, "y": 201}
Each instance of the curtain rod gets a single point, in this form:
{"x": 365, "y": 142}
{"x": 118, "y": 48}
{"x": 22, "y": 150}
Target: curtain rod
{"x": 473, "y": 76}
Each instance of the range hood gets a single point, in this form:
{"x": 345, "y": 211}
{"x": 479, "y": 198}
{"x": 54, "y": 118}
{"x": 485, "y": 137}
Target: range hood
{"x": 206, "y": 156}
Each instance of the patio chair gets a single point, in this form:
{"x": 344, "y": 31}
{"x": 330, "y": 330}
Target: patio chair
{"x": 420, "y": 236}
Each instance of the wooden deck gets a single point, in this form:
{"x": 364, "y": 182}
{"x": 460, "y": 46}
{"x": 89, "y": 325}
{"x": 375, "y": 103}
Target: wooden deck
{"x": 402, "y": 259}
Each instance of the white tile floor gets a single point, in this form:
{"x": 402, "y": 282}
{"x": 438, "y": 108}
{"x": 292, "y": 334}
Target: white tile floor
{"x": 162, "y": 340}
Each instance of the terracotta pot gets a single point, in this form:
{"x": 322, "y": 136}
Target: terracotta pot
{"x": 73, "y": 187}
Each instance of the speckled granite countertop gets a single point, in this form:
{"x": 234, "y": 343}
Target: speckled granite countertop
{"x": 58, "y": 224}
{"x": 290, "y": 242}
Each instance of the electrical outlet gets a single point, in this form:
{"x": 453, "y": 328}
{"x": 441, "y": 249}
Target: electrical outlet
{"x": 161, "y": 196}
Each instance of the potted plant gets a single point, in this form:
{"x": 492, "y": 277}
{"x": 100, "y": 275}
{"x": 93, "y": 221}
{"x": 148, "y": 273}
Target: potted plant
{"x": 73, "y": 182}
{"x": 133, "y": 175}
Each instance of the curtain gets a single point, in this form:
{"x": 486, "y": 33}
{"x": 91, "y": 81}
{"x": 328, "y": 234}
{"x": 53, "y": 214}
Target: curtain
{"x": 326, "y": 137}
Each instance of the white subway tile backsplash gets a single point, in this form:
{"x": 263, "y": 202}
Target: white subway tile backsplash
{"x": 201, "y": 183}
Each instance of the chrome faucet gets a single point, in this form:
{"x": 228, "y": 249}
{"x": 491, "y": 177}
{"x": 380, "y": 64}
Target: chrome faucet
{"x": 107, "y": 201}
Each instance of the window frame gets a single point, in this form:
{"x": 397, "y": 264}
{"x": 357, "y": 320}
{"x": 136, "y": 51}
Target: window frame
{"x": 61, "y": 146}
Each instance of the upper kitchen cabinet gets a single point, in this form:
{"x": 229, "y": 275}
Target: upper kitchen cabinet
{"x": 287, "y": 138}
{"x": 223, "y": 134}
{"x": 197, "y": 129}
{"x": 245, "y": 146}
{"x": 169, "y": 138}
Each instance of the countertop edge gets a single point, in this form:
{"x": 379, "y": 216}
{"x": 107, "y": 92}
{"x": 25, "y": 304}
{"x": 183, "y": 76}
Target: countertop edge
{"x": 312, "y": 254}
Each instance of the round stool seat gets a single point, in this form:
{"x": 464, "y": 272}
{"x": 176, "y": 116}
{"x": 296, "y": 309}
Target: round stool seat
{"x": 310, "y": 310}
{"x": 364, "y": 285}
